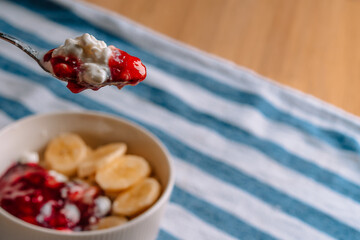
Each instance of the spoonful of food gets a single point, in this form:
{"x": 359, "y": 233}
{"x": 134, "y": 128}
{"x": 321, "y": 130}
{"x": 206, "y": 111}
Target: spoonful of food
{"x": 86, "y": 63}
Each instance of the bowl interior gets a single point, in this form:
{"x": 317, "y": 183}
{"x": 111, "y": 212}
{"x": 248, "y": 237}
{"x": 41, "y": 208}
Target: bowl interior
{"x": 33, "y": 133}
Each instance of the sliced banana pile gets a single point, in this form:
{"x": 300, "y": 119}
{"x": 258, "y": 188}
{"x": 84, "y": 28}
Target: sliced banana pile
{"x": 124, "y": 178}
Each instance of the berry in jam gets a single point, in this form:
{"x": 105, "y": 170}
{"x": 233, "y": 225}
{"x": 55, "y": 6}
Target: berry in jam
{"x": 30, "y": 193}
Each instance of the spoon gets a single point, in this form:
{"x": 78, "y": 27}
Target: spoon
{"x": 33, "y": 53}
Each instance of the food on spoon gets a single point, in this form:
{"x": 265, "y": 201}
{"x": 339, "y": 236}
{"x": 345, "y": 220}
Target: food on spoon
{"x": 87, "y": 63}
{"x": 75, "y": 202}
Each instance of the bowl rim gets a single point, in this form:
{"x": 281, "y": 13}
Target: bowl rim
{"x": 160, "y": 202}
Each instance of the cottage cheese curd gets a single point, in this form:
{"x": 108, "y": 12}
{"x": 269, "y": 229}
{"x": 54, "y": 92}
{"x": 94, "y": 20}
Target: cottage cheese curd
{"x": 93, "y": 53}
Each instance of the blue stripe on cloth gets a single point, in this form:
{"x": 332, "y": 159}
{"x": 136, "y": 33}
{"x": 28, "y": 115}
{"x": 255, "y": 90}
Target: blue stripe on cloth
{"x": 163, "y": 235}
{"x": 204, "y": 210}
{"x": 269, "y": 148}
{"x": 283, "y": 202}
{"x": 13, "y": 108}
{"x": 272, "y": 150}
{"x": 64, "y": 16}
{"x": 25, "y": 36}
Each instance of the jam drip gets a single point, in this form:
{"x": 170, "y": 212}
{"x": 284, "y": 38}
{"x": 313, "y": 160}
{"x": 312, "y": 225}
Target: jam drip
{"x": 30, "y": 193}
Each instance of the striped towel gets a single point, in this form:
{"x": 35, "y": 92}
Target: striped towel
{"x": 254, "y": 160}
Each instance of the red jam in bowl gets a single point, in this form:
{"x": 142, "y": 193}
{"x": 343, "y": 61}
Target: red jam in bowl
{"x": 30, "y": 193}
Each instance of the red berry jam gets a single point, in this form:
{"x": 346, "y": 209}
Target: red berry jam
{"x": 30, "y": 193}
{"x": 124, "y": 70}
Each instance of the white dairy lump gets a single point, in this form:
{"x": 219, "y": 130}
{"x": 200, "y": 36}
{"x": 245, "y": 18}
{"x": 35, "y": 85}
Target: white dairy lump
{"x": 93, "y": 54}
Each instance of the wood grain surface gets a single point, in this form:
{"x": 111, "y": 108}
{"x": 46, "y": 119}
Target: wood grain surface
{"x": 310, "y": 45}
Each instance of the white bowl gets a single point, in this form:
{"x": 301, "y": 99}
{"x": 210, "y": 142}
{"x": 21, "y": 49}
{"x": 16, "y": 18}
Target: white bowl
{"x": 33, "y": 133}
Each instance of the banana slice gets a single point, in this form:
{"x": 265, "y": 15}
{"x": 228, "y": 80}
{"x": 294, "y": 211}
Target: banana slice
{"x": 99, "y": 157}
{"x": 111, "y": 221}
{"x": 122, "y": 173}
{"x": 64, "y": 153}
{"x": 137, "y": 198}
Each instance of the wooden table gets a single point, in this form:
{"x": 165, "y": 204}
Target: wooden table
{"x": 311, "y": 45}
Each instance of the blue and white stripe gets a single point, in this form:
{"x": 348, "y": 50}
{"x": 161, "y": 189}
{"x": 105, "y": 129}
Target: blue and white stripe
{"x": 254, "y": 160}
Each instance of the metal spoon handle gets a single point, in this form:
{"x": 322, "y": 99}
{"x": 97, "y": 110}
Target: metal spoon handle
{"x": 26, "y": 48}
{"x": 33, "y": 53}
